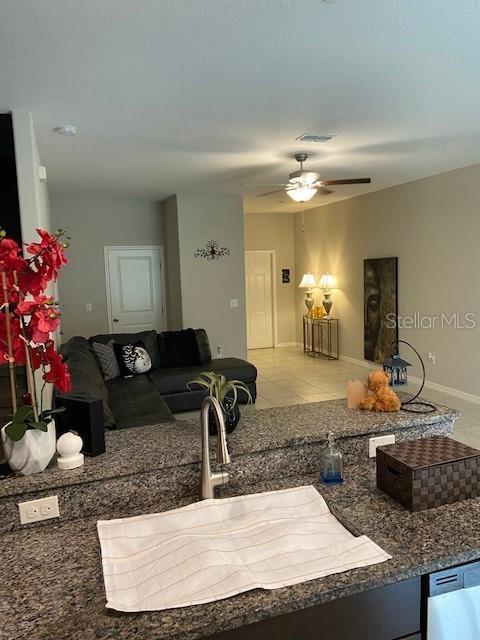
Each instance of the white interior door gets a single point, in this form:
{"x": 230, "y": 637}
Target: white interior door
{"x": 135, "y": 289}
{"x": 259, "y": 299}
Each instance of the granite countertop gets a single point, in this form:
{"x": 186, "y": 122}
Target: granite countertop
{"x": 54, "y": 580}
{"x": 144, "y": 449}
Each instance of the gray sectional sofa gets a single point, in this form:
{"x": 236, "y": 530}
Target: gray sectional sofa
{"x": 155, "y": 396}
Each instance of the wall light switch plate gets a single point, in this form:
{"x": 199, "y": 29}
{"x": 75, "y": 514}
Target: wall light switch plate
{"x": 42, "y": 173}
{"x": 89, "y": 306}
{"x": 379, "y": 441}
{"x": 36, "y": 510}
{"x": 233, "y": 303}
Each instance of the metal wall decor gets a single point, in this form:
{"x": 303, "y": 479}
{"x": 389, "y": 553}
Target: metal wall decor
{"x": 212, "y": 251}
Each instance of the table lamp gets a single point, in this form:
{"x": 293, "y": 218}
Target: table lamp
{"x": 308, "y": 282}
{"x": 327, "y": 283}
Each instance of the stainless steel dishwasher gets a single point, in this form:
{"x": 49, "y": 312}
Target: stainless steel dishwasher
{"x": 453, "y": 604}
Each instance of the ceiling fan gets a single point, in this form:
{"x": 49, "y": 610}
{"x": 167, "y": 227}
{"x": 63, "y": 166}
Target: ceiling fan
{"x": 303, "y": 185}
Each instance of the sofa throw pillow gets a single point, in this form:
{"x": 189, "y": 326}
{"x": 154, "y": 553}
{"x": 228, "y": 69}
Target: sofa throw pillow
{"x": 203, "y": 346}
{"x": 182, "y": 348}
{"x": 149, "y": 339}
{"x": 132, "y": 359}
{"x": 107, "y": 359}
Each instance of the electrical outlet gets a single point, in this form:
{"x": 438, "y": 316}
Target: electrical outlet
{"x": 234, "y": 303}
{"x": 432, "y": 357}
{"x": 89, "y": 306}
{"x": 36, "y": 510}
{"x": 379, "y": 441}
{"x": 219, "y": 352}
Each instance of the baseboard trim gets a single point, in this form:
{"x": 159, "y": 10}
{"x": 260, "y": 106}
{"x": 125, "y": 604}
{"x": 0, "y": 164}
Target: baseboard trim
{"x": 461, "y": 395}
{"x": 286, "y": 344}
{"x": 360, "y": 363}
{"x": 434, "y": 386}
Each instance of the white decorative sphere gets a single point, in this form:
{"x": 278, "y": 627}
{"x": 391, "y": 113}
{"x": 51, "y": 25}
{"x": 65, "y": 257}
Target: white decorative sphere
{"x": 69, "y": 444}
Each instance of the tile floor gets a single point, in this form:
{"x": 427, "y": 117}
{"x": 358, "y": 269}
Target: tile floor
{"x": 287, "y": 376}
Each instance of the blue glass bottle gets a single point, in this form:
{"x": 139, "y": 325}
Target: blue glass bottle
{"x": 331, "y": 471}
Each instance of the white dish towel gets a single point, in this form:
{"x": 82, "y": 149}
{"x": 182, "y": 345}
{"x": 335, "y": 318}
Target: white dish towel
{"x": 215, "y": 549}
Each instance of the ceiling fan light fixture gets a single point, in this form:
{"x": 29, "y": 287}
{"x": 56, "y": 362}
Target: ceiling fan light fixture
{"x": 301, "y": 194}
{"x": 307, "y": 178}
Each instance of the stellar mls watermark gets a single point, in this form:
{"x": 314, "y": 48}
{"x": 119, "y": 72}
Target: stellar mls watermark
{"x": 422, "y": 321}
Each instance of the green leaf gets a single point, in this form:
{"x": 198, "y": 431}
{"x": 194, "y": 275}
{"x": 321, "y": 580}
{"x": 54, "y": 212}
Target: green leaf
{"x": 241, "y": 385}
{"x": 40, "y": 425}
{"x": 198, "y": 382}
{"x": 219, "y": 387}
{"x": 22, "y": 413}
{"x": 15, "y": 431}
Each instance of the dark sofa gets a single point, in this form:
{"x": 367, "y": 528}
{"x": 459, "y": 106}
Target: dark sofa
{"x": 153, "y": 397}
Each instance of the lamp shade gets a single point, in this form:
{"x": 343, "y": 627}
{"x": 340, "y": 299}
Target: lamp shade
{"x": 301, "y": 194}
{"x": 327, "y": 281}
{"x": 308, "y": 281}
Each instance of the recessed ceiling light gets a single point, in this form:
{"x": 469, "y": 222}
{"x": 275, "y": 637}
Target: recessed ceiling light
{"x": 316, "y": 137}
{"x": 66, "y": 130}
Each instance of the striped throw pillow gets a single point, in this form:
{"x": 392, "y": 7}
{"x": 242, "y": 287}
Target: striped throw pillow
{"x": 107, "y": 359}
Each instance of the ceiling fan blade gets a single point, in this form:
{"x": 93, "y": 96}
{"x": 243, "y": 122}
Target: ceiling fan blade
{"x": 347, "y": 181}
{"x": 269, "y": 193}
{"x": 323, "y": 191}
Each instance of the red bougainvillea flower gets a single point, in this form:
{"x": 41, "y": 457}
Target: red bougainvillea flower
{"x": 42, "y": 322}
{"x": 10, "y": 256}
{"x": 33, "y": 321}
{"x": 58, "y": 373}
{"x": 18, "y": 345}
{"x": 34, "y": 282}
{"x": 50, "y": 254}
{"x": 27, "y": 307}
{"x": 44, "y": 318}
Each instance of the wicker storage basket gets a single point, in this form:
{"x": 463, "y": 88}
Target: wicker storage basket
{"x": 428, "y": 472}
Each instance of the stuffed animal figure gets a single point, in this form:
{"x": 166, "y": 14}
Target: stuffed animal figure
{"x": 381, "y": 396}
{"x": 356, "y": 393}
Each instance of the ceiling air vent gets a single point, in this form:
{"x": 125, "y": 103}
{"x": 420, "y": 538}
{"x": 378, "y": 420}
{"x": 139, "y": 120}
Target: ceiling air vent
{"x": 315, "y": 137}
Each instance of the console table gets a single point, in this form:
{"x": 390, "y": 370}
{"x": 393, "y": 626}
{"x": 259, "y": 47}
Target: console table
{"x": 320, "y": 337}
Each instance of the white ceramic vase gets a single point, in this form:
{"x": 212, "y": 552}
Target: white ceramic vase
{"x": 33, "y": 452}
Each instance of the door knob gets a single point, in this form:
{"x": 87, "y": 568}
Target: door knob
{"x": 115, "y": 319}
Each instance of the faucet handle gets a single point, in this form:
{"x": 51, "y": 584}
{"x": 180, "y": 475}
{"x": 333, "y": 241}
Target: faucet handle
{"x": 220, "y": 478}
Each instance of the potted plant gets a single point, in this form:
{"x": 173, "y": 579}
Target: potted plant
{"x": 28, "y": 318}
{"x": 226, "y": 392}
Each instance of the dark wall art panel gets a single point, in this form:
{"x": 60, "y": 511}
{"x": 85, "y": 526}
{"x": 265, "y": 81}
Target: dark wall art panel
{"x": 380, "y": 282}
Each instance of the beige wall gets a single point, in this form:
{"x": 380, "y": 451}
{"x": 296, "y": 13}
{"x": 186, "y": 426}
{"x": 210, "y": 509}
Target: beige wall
{"x": 32, "y": 193}
{"x": 94, "y": 224}
{"x": 433, "y": 226}
{"x": 207, "y": 286}
{"x": 172, "y": 257}
{"x": 276, "y": 232}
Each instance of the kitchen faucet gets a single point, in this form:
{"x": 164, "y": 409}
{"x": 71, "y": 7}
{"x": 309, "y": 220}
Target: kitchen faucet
{"x": 211, "y": 479}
